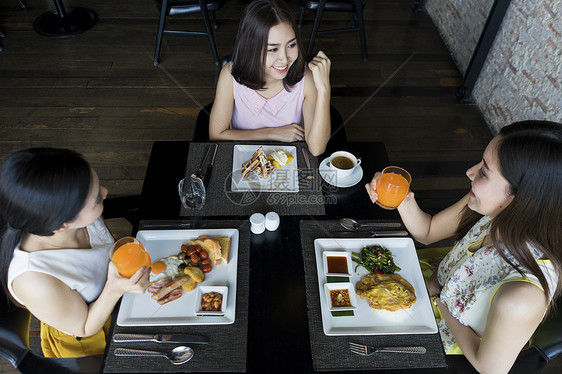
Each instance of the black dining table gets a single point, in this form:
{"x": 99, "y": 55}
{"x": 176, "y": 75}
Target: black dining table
{"x": 278, "y": 336}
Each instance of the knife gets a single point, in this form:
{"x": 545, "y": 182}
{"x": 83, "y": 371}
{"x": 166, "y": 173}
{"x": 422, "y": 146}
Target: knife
{"x": 160, "y": 338}
{"x": 200, "y": 171}
{"x": 368, "y": 234}
{"x": 207, "y": 175}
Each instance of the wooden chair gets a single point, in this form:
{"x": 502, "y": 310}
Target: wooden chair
{"x": 123, "y": 207}
{"x": 353, "y": 7}
{"x": 174, "y": 7}
{"x": 201, "y": 132}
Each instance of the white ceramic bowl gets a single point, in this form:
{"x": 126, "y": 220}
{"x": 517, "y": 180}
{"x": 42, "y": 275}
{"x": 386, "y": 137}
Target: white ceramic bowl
{"x": 343, "y": 254}
{"x": 201, "y": 290}
{"x": 328, "y": 287}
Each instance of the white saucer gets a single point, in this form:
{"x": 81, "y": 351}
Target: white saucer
{"x": 329, "y": 175}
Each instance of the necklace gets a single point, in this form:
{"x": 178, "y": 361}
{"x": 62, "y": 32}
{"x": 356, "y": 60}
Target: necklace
{"x": 55, "y": 245}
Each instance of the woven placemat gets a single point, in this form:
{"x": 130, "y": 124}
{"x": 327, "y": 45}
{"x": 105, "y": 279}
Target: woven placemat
{"x": 331, "y": 352}
{"x": 222, "y": 201}
{"x": 227, "y": 348}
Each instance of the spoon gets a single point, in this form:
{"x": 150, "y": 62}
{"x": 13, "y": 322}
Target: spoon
{"x": 177, "y": 356}
{"x": 353, "y": 225}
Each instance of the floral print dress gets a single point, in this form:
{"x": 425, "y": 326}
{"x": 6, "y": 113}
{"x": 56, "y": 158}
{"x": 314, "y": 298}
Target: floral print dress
{"x": 471, "y": 275}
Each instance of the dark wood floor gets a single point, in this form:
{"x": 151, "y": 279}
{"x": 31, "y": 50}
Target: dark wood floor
{"x": 99, "y": 93}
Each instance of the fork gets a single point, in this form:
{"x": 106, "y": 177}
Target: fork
{"x": 367, "y": 350}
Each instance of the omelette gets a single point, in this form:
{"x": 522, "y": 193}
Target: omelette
{"x": 388, "y": 292}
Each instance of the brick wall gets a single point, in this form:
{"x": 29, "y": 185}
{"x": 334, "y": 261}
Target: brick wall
{"x": 522, "y": 76}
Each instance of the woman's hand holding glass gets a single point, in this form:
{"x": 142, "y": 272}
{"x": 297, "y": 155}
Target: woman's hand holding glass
{"x": 372, "y": 189}
{"x": 129, "y": 267}
{"x": 137, "y": 283}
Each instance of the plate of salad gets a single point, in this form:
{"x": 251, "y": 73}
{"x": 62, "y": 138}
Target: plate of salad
{"x": 376, "y": 259}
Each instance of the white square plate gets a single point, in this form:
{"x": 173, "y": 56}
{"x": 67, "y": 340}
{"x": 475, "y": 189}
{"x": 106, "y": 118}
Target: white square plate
{"x": 418, "y": 319}
{"x": 142, "y": 310}
{"x": 284, "y": 179}
{"x": 201, "y": 290}
{"x": 328, "y": 287}
{"x": 345, "y": 254}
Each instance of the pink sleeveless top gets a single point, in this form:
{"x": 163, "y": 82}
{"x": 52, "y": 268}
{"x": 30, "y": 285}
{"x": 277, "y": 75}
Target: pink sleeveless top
{"x": 252, "y": 111}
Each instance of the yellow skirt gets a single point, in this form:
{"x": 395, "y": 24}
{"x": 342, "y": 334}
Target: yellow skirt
{"x": 56, "y": 343}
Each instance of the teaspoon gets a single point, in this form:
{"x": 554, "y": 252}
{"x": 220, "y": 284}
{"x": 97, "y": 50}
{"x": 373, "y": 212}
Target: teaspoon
{"x": 353, "y": 225}
{"x": 177, "y": 356}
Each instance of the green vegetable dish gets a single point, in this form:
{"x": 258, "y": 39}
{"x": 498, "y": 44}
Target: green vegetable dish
{"x": 376, "y": 259}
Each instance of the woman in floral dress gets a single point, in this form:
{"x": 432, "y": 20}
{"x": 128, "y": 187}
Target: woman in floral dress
{"x": 495, "y": 286}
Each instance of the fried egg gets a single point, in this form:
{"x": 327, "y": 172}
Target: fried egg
{"x": 165, "y": 267}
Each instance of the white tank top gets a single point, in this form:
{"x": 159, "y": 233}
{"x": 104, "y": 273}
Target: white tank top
{"x": 83, "y": 270}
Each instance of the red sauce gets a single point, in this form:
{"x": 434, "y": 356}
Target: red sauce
{"x": 340, "y": 298}
{"x": 337, "y": 264}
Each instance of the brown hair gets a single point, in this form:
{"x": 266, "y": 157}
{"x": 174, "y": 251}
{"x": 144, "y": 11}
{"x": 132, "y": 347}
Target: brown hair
{"x": 250, "y": 46}
{"x": 530, "y": 159}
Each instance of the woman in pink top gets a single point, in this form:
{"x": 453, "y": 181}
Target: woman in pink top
{"x": 268, "y": 92}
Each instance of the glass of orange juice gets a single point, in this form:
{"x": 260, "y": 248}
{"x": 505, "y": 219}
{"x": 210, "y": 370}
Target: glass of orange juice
{"x": 129, "y": 255}
{"x": 392, "y": 187}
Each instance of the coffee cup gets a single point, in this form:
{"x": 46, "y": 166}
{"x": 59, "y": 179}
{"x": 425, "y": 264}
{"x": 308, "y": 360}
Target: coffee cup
{"x": 343, "y": 163}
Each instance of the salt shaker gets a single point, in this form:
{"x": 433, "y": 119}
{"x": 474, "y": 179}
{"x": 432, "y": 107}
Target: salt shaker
{"x": 257, "y": 223}
{"x": 271, "y": 221}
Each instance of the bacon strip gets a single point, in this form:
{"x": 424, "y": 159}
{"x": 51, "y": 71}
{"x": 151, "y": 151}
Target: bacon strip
{"x": 170, "y": 287}
{"x": 156, "y": 285}
{"x": 175, "y": 294}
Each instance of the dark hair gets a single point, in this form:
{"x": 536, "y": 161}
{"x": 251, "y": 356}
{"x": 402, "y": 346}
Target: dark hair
{"x": 530, "y": 159}
{"x": 249, "y": 54}
{"x": 40, "y": 190}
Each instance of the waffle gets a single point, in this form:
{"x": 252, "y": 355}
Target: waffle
{"x": 258, "y": 163}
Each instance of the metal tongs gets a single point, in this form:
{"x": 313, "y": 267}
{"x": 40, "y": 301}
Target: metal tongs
{"x": 307, "y": 161}
{"x": 199, "y": 173}
{"x": 206, "y": 176}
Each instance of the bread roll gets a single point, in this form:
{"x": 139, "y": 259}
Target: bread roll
{"x": 225, "y": 248}
{"x": 212, "y": 247}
